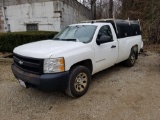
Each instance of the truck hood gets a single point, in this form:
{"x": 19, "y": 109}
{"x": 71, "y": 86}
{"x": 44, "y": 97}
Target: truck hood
{"x": 46, "y": 48}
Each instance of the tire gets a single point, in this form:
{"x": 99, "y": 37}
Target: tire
{"x": 79, "y": 81}
{"x": 131, "y": 60}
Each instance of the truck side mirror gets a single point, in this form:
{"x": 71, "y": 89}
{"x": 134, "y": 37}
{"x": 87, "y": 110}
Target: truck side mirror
{"x": 104, "y": 39}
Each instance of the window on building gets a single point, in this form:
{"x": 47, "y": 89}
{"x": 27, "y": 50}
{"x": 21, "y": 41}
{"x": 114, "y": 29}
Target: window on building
{"x": 32, "y": 27}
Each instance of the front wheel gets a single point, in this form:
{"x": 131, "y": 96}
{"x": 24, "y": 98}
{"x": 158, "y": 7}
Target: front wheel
{"x": 79, "y": 81}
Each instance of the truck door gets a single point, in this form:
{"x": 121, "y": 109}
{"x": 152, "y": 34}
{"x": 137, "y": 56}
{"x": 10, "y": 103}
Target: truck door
{"x": 106, "y": 54}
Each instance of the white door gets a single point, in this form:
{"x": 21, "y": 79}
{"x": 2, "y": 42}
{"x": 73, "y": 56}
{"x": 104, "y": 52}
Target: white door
{"x": 106, "y": 54}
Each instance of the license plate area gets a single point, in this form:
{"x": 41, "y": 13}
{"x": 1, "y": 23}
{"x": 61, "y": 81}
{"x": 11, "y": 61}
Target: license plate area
{"x": 22, "y": 83}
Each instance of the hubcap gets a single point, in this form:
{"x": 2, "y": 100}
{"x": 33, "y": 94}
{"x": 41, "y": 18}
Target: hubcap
{"x": 80, "y": 82}
{"x": 133, "y": 59}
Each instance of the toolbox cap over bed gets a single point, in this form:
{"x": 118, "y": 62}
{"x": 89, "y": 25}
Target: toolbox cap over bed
{"x": 123, "y": 28}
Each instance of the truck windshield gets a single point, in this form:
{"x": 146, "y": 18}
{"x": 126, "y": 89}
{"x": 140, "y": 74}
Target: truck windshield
{"x": 80, "y": 33}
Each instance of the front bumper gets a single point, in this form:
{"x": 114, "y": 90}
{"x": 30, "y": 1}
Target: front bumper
{"x": 47, "y": 82}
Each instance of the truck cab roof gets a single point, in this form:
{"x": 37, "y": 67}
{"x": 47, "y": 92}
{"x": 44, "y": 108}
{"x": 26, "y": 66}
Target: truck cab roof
{"x": 89, "y": 23}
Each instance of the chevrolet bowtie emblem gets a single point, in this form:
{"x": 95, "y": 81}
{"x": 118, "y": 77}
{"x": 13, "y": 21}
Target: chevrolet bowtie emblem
{"x": 20, "y": 62}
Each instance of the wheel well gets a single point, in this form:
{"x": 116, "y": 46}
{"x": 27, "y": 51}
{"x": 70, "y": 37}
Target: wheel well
{"x": 135, "y": 49}
{"x": 87, "y": 63}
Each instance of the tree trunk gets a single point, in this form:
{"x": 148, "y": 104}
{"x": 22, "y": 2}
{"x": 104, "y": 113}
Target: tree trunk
{"x": 110, "y": 8}
{"x": 93, "y": 8}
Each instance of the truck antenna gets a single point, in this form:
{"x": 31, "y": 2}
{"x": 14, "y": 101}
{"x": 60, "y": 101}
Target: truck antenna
{"x": 115, "y": 24}
{"x": 129, "y": 21}
{"x": 139, "y": 24}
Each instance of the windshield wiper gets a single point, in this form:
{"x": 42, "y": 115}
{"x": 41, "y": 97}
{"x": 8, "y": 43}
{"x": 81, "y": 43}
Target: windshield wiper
{"x": 75, "y": 40}
{"x": 56, "y": 39}
{"x": 69, "y": 39}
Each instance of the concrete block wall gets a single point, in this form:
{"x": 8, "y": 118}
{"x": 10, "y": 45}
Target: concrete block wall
{"x": 73, "y": 12}
{"x": 41, "y": 13}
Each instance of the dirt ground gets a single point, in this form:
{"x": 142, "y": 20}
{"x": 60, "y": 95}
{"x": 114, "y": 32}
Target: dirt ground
{"x": 118, "y": 93}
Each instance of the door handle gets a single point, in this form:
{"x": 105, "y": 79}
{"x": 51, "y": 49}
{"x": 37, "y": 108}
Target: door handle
{"x": 113, "y": 46}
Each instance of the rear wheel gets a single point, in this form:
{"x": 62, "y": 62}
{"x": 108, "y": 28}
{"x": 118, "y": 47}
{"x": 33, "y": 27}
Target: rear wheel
{"x": 79, "y": 81}
{"x": 131, "y": 60}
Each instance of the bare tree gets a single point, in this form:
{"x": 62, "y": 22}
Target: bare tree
{"x": 90, "y": 4}
{"x": 93, "y": 8}
{"x": 102, "y": 8}
{"x": 148, "y": 13}
{"x": 110, "y": 8}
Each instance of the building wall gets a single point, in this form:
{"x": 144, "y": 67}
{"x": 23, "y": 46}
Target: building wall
{"x": 51, "y": 15}
{"x": 1, "y": 20}
{"x": 41, "y": 13}
{"x": 73, "y": 12}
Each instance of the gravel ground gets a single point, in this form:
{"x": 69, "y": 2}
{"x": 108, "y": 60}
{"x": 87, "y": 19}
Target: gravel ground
{"x": 118, "y": 93}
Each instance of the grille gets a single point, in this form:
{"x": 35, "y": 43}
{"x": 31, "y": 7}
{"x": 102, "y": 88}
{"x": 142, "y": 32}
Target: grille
{"x": 28, "y": 64}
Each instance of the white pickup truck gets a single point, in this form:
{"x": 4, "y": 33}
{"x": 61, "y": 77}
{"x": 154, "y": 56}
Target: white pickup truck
{"x": 67, "y": 61}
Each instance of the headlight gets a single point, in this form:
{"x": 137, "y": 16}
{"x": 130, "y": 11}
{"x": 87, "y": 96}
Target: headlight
{"x": 54, "y": 65}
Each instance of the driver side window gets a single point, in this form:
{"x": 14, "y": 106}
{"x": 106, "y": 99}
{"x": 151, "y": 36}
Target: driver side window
{"x": 105, "y": 30}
